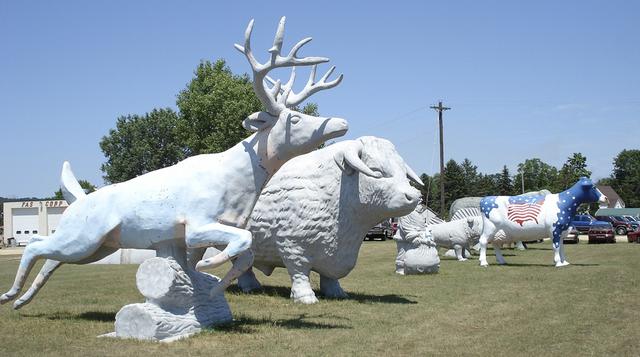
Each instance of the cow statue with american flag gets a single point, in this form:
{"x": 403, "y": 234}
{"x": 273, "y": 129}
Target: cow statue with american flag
{"x": 530, "y": 217}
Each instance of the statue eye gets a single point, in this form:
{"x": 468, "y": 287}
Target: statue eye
{"x": 295, "y": 119}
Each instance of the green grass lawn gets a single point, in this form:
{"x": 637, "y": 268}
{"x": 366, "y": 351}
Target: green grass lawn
{"x": 526, "y": 308}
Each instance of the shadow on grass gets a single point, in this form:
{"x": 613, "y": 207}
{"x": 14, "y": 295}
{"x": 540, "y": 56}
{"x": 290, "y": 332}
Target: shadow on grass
{"x": 285, "y": 292}
{"x": 245, "y": 324}
{"x": 99, "y": 316}
{"x": 538, "y": 248}
{"x": 544, "y": 265}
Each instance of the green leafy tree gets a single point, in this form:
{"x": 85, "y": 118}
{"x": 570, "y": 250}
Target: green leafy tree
{"x": 140, "y": 144}
{"x": 574, "y": 168}
{"x": 212, "y": 108}
{"x": 86, "y": 186}
{"x": 626, "y": 176}
{"x": 538, "y": 175}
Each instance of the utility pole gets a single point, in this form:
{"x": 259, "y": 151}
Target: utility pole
{"x": 439, "y": 108}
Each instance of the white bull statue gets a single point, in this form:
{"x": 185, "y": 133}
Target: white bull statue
{"x": 528, "y": 217}
{"x": 315, "y": 212}
{"x": 203, "y": 201}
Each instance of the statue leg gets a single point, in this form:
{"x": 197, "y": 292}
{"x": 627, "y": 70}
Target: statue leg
{"x": 45, "y": 273}
{"x": 331, "y": 288}
{"x": 498, "y": 252}
{"x": 401, "y": 246}
{"x": 62, "y": 246}
{"x": 49, "y": 267}
{"x": 459, "y": 252}
{"x": 237, "y": 241}
{"x": 300, "y": 285}
{"x": 484, "y": 240}
{"x": 248, "y": 281}
{"x": 559, "y": 257}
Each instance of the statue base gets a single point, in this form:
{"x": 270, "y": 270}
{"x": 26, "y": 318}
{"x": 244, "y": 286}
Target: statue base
{"x": 177, "y": 304}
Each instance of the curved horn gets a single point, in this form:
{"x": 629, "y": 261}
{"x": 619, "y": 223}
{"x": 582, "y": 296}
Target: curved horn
{"x": 412, "y": 175}
{"x": 351, "y": 156}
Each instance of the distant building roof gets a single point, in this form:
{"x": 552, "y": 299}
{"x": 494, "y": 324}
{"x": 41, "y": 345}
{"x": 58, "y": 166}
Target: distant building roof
{"x": 614, "y": 199}
{"x": 618, "y": 212}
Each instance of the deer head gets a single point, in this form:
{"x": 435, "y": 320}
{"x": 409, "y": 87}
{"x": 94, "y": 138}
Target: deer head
{"x": 282, "y": 131}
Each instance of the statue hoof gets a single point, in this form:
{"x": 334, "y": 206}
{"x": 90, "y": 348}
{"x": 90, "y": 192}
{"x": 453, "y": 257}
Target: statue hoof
{"x": 5, "y": 298}
{"x": 562, "y": 264}
{"x": 307, "y": 300}
{"x": 484, "y": 264}
{"x": 19, "y": 304}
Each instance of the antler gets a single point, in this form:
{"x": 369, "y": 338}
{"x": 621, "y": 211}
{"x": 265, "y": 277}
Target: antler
{"x": 291, "y": 99}
{"x": 269, "y": 96}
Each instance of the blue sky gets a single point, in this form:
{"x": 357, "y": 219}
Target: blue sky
{"x": 539, "y": 79}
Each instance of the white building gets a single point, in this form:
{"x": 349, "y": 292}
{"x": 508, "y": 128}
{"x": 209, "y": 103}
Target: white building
{"x": 25, "y": 218}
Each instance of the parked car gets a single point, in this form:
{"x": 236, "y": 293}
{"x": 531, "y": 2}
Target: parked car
{"x": 582, "y": 222}
{"x": 382, "y": 230}
{"x": 602, "y": 233}
{"x": 572, "y": 237}
{"x": 620, "y": 225}
{"x": 633, "y": 237}
{"x": 635, "y": 224}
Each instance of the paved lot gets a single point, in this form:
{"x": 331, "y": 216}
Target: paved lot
{"x": 11, "y": 251}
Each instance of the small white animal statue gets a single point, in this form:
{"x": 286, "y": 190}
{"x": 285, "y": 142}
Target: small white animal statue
{"x": 458, "y": 235}
{"x": 202, "y": 201}
{"x": 315, "y": 212}
{"x": 415, "y": 244}
{"x": 528, "y": 217}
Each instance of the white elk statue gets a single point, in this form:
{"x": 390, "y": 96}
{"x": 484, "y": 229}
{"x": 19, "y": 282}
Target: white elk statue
{"x": 528, "y": 217}
{"x": 203, "y": 201}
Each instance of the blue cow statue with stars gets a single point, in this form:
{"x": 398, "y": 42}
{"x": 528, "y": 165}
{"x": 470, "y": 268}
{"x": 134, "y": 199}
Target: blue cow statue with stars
{"x": 531, "y": 217}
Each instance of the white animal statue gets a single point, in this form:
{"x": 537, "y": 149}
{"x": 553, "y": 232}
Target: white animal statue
{"x": 415, "y": 245}
{"x": 315, "y": 212}
{"x": 203, "y": 201}
{"x": 528, "y": 217}
{"x": 466, "y": 207}
{"x": 458, "y": 235}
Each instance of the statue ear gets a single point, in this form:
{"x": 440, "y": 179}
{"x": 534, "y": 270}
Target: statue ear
{"x": 585, "y": 182}
{"x": 259, "y": 121}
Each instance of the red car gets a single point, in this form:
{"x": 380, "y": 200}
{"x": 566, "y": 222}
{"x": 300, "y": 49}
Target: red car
{"x": 602, "y": 233}
{"x": 633, "y": 237}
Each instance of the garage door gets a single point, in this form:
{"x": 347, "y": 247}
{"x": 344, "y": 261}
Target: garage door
{"x": 25, "y": 223}
{"x": 53, "y": 218}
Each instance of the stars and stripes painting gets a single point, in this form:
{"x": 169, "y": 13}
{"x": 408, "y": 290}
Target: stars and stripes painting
{"x": 523, "y": 209}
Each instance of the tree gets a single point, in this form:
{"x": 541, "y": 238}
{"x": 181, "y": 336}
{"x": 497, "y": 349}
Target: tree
{"x": 626, "y": 176}
{"x": 538, "y": 175}
{"x": 486, "y": 185}
{"x": 140, "y": 144}
{"x": 504, "y": 184}
{"x": 574, "y": 168}
{"x": 454, "y": 183}
{"x": 470, "y": 174}
{"x": 431, "y": 191}
{"x": 212, "y": 108}
{"x": 86, "y": 186}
